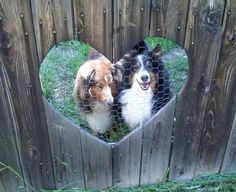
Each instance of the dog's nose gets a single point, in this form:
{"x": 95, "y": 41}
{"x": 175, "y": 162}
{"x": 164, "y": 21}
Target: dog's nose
{"x": 110, "y": 102}
{"x": 144, "y": 78}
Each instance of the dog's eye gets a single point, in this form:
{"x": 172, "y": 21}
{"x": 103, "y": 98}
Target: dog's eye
{"x": 135, "y": 68}
{"x": 148, "y": 65}
{"x": 100, "y": 86}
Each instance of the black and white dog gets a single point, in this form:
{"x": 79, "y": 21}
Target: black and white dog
{"x": 145, "y": 87}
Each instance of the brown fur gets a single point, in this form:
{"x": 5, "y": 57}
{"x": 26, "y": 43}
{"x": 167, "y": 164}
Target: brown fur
{"x": 97, "y": 70}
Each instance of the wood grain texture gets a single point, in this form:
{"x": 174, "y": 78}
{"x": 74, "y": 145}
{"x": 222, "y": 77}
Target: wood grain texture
{"x": 9, "y": 146}
{"x": 229, "y": 163}
{"x": 66, "y": 150}
{"x": 62, "y": 15}
{"x": 127, "y": 160}
{"x": 131, "y": 25}
{"x": 44, "y": 27}
{"x": 97, "y": 162}
{"x": 221, "y": 105}
{"x": 157, "y": 135}
{"x": 204, "y": 27}
{"x": 169, "y": 19}
{"x": 93, "y": 24}
{"x": 19, "y": 58}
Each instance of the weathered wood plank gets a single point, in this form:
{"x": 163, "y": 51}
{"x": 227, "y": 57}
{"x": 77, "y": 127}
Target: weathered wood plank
{"x": 9, "y": 144}
{"x": 204, "y": 29}
{"x": 157, "y": 135}
{"x": 42, "y": 12}
{"x": 127, "y": 160}
{"x": 93, "y": 24}
{"x": 66, "y": 150}
{"x": 229, "y": 163}
{"x": 169, "y": 19}
{"x": 221, "y": 105}
{"x": 19, "y": 57}
{"x": 131, "y": 24}
{"x": 97, "y": 162}
{"x": 62, "y": 15}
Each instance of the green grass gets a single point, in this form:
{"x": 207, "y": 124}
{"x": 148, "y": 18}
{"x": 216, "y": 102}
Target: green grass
{"x": 57, "y": 74}
{"x": 58, "y": 71}
{"x": 217, "y": 182}
{"x": 224, "y": 182}
{"x": 166, "y": 45}
{"x": 4, "y": 168}
{"x": 178, "y": 72}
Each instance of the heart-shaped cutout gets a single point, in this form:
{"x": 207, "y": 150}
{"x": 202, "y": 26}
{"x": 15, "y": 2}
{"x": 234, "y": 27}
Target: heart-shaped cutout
{"x": 145, "y": 79}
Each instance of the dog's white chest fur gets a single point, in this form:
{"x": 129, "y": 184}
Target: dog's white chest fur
{"x": 100, "y": 119}
{"x": 136, "y": 105}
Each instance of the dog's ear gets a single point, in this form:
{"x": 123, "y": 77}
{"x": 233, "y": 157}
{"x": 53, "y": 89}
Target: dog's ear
{"x": 117, "y": 72}
{"x": 82, "y": 85}
{"x": 156, "y": 51}
{"x": 141, "y": 47}
{"x": 91, "y": 78}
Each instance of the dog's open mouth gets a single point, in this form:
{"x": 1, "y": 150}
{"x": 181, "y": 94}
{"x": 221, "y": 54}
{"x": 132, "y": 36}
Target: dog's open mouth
{"x": 144, "y": 86}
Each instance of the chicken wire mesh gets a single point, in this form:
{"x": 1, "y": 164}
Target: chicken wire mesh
{"x": 135, "y": 87}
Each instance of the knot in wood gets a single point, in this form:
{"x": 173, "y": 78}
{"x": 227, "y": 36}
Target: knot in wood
{"x": 212, "y": 18}
{"x": 33, "y": 153}
{"x": 195, "y": 11}
{"x": 189, "y": 119}
{"x": 5, "y": 40}
{"x": 232, "y": 38}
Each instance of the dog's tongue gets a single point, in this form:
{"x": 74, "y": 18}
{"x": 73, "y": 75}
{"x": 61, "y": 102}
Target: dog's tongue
{"x": 144, "y": 86}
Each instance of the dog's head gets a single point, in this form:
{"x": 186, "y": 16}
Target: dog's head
{"x": 94, "y": 83}
{"x": 141, "y": 69}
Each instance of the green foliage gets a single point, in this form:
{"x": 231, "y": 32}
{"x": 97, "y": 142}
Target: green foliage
{"x": 166, "y": 45}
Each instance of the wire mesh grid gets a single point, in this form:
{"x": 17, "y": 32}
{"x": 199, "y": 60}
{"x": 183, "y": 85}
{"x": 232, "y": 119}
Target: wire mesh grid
{"x": 118, "y": 97}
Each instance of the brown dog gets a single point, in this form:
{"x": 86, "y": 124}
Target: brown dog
{"x": 93, "y": 92}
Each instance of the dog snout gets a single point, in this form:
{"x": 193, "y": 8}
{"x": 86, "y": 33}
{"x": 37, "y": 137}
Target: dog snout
{"x": 144, "y": 78}
{"x": 109, "y": 98}
{"x": 110, "y": 102}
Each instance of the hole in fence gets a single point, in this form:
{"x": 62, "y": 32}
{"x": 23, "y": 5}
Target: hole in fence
{"x": 110, "y": 100}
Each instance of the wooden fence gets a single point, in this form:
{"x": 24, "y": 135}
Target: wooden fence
{"x": 48, "y": 151}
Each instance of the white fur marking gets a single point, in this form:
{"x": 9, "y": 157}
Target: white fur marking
{"x": 100, "y": 119}
{"x": 140, "y": 60}
{"x": 136, "y": 105}
{"x": 108, "y": 94}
